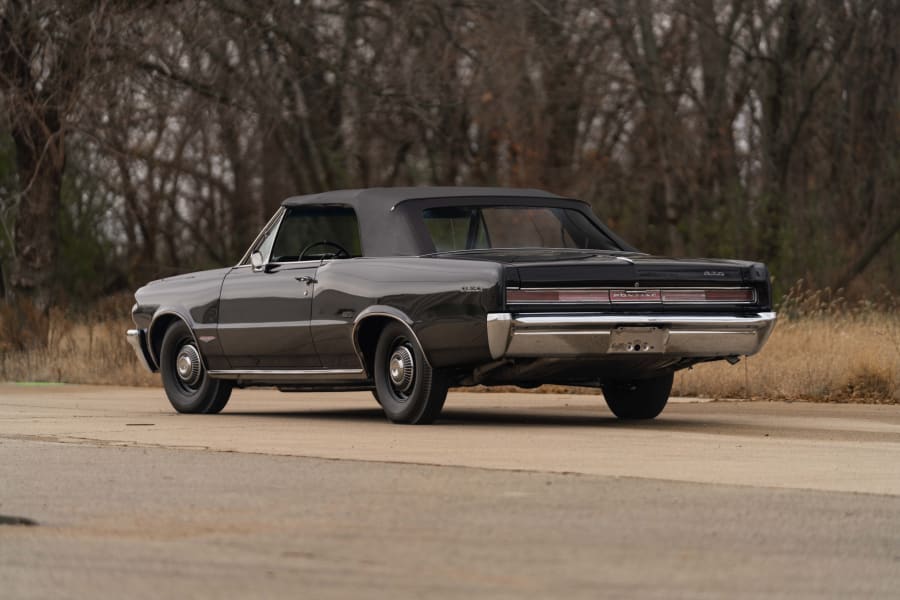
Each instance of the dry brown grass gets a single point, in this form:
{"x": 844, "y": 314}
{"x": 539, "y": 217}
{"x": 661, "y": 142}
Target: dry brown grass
{"x": 823, "y": 349}
{"x": 838, "y": 360}
{"x": 66, "y": 347}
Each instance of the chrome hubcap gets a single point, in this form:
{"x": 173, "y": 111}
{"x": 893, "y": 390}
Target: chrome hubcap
{"x": 187, "y": 364}
{"x": 401, "y": 367}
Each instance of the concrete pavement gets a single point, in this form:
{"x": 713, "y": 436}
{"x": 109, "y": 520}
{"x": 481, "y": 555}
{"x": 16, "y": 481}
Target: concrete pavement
{"x": 853, "y": 448}
{"x": 509, "y": 496}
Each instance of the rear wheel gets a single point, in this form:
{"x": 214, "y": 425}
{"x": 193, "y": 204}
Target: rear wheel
{"x": 638, "y": 399}
{"x": 406, "y": 386}
{"x": 187, "y": 384}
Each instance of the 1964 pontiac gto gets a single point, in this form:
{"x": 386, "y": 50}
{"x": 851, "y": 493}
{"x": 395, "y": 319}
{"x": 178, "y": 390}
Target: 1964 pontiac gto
{"x": 408, "y": 291}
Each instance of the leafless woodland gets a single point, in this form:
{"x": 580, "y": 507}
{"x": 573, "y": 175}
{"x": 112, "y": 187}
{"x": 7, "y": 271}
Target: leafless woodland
{"x": 139, "y": 139}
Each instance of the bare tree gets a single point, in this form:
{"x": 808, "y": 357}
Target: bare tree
{"x": 46, "y": 53}
{"x": 763, "y": 129}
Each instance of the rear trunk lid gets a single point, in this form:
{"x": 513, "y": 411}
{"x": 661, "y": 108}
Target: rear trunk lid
{"x": 628, "y": 282}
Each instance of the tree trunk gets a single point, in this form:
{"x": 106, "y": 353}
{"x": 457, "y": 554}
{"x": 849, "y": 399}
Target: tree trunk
{"x": 40, "y": 159}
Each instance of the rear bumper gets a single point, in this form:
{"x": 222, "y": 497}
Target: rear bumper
{"x": 579, "y": 335}
{"x": 138, "y": 340}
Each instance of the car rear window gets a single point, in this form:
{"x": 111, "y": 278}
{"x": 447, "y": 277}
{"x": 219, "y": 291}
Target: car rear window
{"x": 454, "y": 228}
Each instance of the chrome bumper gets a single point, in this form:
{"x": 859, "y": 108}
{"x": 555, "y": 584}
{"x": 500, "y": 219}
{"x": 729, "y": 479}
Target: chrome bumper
{"x": 138, "y": 340}
{"x": 576, "y": 335}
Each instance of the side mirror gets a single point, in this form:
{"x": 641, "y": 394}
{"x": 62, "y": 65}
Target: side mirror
{"x": 256, "y": 260}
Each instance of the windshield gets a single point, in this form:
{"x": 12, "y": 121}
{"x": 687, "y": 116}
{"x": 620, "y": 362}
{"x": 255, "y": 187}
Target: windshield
{"x": 455, "y": 228}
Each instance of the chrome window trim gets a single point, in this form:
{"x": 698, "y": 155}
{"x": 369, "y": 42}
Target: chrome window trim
{"x": 275, "y": 221}
{"x": 311, "y": 262}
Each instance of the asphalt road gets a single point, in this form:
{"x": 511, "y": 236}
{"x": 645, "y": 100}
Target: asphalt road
{"x": 508, "y": 496}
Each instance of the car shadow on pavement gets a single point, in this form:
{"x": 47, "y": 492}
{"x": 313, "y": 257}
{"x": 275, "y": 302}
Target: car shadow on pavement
{"x": 548, "y": 418}
{"x": 466, "y": 417}
{"x": 336, "y": 414}
{"x": 677, "y": 419}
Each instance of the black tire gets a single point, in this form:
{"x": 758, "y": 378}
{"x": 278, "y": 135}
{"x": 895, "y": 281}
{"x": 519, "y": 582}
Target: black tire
{"x": 415, "y": 393}
{"x": 638, "y": 399}
{"x": 194, "y": 392}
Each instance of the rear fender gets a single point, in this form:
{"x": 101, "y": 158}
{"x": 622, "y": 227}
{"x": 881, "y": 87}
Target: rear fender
{"x": 367, "y": 327}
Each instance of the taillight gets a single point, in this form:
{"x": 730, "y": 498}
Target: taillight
{"x": 631, "y": 296}
{"x": 684, "y": 295}
{"x": 731, "y": 295}
{"x": 538, "y": 296}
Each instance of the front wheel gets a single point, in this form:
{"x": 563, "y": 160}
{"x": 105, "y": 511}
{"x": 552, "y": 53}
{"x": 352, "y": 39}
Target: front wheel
{"x": 406, "y": 386}
{"x": 188, "y": 386}
{"x": 638, "y": 399}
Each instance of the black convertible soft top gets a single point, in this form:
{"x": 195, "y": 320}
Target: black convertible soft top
{"x": 388, "y": 229}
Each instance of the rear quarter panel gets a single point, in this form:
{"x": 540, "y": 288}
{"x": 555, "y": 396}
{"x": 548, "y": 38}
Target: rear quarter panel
{"x": 444, "y": 301}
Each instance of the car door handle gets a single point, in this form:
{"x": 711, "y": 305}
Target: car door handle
{"x": 306, "y": 279}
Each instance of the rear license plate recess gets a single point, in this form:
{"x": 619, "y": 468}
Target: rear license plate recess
{"x": 651, "y": 340}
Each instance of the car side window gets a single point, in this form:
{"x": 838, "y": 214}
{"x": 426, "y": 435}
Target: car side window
{"x": 457, "y": 229}
{"x": 323, "y": 231}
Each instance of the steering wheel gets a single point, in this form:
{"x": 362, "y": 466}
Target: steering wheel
{"x": 341, "y": 251}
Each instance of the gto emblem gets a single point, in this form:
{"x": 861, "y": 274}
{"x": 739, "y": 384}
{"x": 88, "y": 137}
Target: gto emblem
{"x": 714, "y": 273}
{"x": 471, "y": 288}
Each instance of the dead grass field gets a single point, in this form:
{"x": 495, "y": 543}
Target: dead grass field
{"x": 67, "y": 347}
{"x": 821, "y": 350}
{"x": 839, "y": 359}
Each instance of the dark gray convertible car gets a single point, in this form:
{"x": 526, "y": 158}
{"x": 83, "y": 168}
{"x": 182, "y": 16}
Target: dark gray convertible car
{"x": 408, "y": 291}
